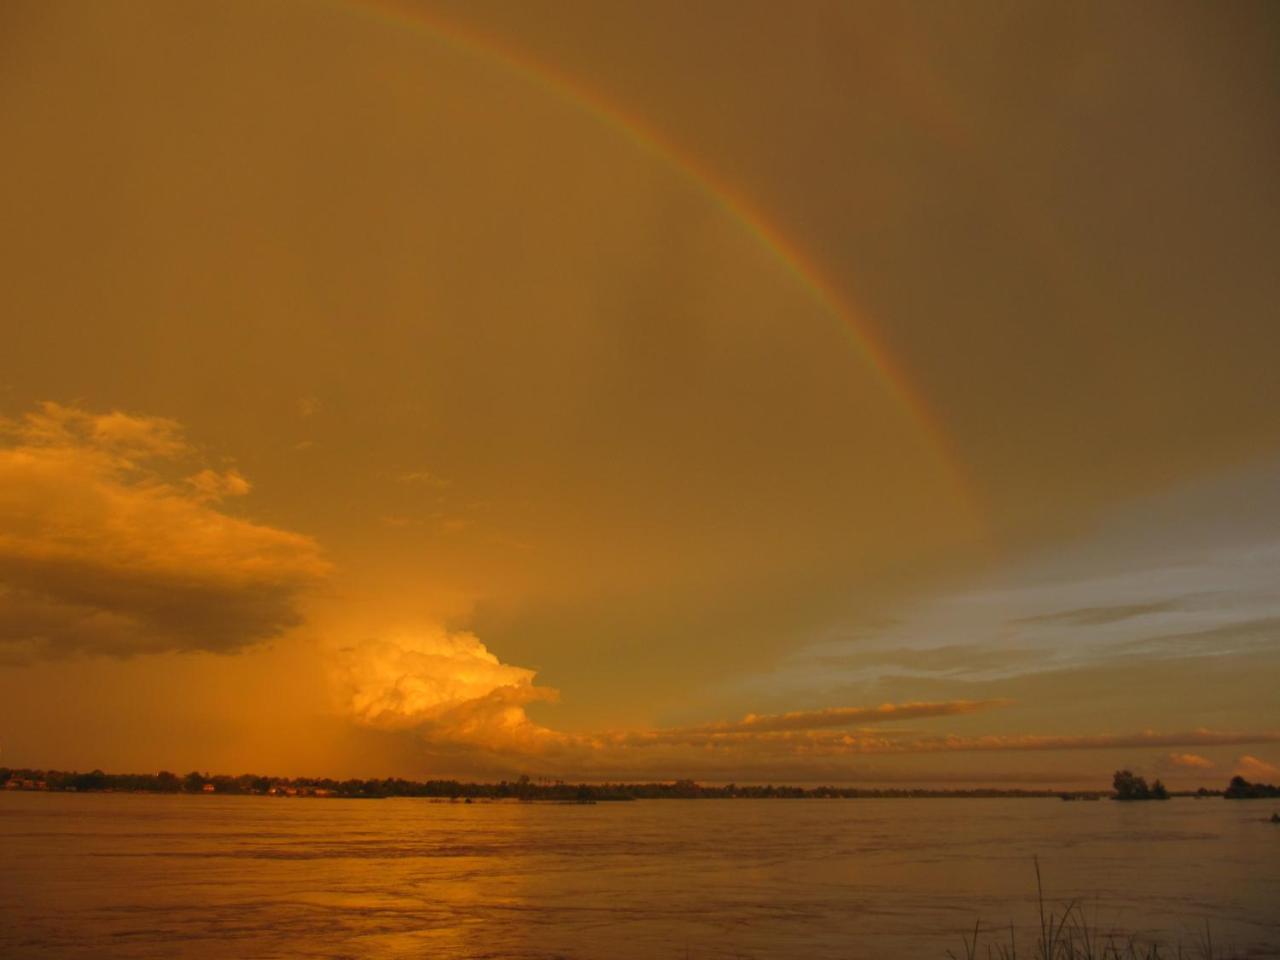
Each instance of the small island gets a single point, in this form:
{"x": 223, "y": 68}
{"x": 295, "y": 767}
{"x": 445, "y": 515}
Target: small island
{"x": 1130, "y": 787}
{"x": 1242, "y": 789}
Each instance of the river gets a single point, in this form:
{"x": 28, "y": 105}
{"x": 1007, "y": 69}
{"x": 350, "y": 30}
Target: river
{"x": 130, "y": 875}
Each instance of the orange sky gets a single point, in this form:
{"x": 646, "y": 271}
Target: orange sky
{"x": 488, "y": 388}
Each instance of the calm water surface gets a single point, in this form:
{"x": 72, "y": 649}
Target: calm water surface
{"x": 192, "y": 876}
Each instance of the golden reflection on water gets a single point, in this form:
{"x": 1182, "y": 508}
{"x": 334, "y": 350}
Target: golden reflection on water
{"x": 151, "y": 876}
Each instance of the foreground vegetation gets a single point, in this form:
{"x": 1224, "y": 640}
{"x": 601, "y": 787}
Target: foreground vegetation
{"x": 1073, "y": 935}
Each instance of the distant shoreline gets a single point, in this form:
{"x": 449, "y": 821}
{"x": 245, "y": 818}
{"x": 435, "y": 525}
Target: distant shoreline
{"x": 524, "y": 789}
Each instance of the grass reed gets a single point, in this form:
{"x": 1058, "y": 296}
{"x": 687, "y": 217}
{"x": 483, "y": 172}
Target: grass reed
{"x": 1073, "y": 934}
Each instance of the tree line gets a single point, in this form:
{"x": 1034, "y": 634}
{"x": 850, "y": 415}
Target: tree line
{"x": 523, "y": 788}
{"x": 1126, "y": 786}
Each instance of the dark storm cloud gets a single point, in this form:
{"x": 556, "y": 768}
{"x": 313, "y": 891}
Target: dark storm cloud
{"x": 101, "y": 554}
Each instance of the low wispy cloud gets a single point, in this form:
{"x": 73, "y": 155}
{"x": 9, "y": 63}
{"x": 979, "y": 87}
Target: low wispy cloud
{"x": 866, "y": 741}
{"x": 1254, "y": 768}
{"x": 1096, "y": 616}
{"x": 1226, "y": 638}
{"x": 1101, "y": 741}
{"x": 106, "y": 548}
{"x": 1190, "y": 761}
{"x": 423, "y": 478}
{"x": 843, "y": 717}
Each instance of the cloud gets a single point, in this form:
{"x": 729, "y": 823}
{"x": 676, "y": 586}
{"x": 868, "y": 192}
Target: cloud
{"x": 212, "y": 486}
{"x": 1252, "y": 768}
{"x": 445, "y": 686}
{"x": 1104, "y": 741}
{"x": 852, "y": 663}
{"x": 812, "y": 743}
{"x": 101, "y": 551}
{"x": 1066, "y": 613}
{"x": 844, "y": 716}
{"x": 423, "y": 478}
{"x": 452, "y": 693}
{"x": 1191, "y": 761}
{"x": 1097, "y": 616}
{"x": 1226, "y": 638}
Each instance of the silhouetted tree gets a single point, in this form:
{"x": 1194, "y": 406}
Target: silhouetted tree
{"x": 96, "y": 780}
{"x": 1129, "y": 786}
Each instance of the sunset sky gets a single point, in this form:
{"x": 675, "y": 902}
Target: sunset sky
{"x": 841, "y": 392}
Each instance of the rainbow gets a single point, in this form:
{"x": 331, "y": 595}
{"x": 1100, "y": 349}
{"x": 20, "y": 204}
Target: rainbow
{"x": 738, "y": 208}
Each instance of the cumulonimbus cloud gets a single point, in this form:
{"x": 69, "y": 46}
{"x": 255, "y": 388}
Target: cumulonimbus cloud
{"x": 103, "y": 550}
{"x": 441, "y": 684}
